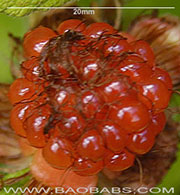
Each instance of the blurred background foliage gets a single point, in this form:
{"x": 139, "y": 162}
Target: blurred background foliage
{"x": 18, "y": 26}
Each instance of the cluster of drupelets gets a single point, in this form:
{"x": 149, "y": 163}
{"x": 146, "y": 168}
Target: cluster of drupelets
{"x": 90, "y": 97}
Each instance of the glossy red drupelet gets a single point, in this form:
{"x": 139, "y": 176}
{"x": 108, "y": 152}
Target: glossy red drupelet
{"x": 89, "y": 97}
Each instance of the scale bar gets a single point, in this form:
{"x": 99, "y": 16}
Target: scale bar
{"x": 91, "y": 8}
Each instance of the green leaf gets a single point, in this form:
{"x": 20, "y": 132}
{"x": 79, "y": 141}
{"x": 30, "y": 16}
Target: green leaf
{"x": 175, "y": 103}
{"x": 175, "y": 100}
{"x": 19, "y": 184}
{"x": 16, "y": 174}
{"x": 6, "y": 6}
{"x": 176, "y": 117}
{"x": 84, "y": 3}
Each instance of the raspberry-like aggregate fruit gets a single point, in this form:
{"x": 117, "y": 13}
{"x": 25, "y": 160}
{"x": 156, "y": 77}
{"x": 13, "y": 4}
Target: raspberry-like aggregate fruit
{"x": 47, "y": 174}
{"x": 23, "y": 90}
{"x": 90, "y": 97}
{"x": 35, "y": 40}
{"x": 91, "y": 146}
{"x": 72, "y": 124}
{"x": 87, "y": 167}
{"x": 16, "y": 118}
{"x": 90, "y": 103}
{"x": 142, "y": 48}
{"x": 113, "y": 89}
{"x": 73, "y": 24}
{"x": 135, "y": 68}
{"x": 141, "y": 142}
{"x": 130, "y": 114}
{"x": 158, "y": 122}
{"x": 163, "y": 76}
{"x": 37, "y": 120}
{"x": 58, "y": 152}
{"x": 114, "y": 137}
{"x": 119, "y": 161}
{"x": 96, "y": 30}
{"x": 155, "y": 92}
{"x": 115, "y": 46}
{"x": 31, "y": 69}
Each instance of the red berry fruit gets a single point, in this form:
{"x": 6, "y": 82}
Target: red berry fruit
{"x": 142, "y": 48}
{"x": 130, "y": 114}
{"x": 119, "y": 161}
{"x": 17, "y": 118}
{"x": 135, "y": 68}
{"x": 91, "y": 146}
{"x": 115, "y": 46}
{"x": 53, "y": 177}
{"x": 114, "y": 137}
{"x": 59, "y": 152}
{"x": 90, "y": 97}
{"x": 87, "y": 167}
{"x": 35, "y": 126}
{"x": 73, "y": 24}
{"x": 154, "y": 92}
{"x": 23, "y": 90}
{"x": 102, "y": 114}
{"x": 32, "y": 69}
{"x": 141, "y": 142}
{"x": 113, "y": 88}
{"x": 35, "y": 40}
{"x": 89, "y": 68}
{"x": 98, "y": 29}
{"x": 163, "y": 76}
{"x": 64, "y": 99}
{"x": 158, "y": 122}
{"x": 72, "y": 124}
{"x": 90, "y": 103}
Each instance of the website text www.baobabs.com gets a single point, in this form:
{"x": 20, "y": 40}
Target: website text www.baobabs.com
{"x": 91, "y": 190}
